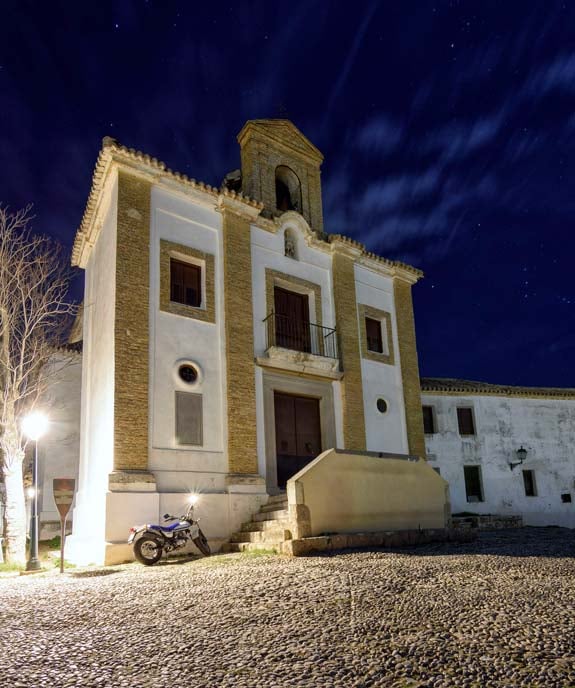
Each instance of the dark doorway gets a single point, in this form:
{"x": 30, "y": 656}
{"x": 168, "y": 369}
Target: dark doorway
{"x": 298, "y": 433}
{"x": 292, "y": 320}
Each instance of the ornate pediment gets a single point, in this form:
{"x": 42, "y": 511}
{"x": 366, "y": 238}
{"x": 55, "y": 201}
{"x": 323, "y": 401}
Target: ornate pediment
{"x": 280, "y": 132}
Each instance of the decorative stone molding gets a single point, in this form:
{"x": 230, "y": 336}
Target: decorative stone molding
{"x": 207, "y": 312}
{"x": 282, "y": 279}
{"x": 300, "y": 362}
{"x": 385, "y": 317}
{"x": 449, "y": 386}
{"x": 131, "y": 481}
{"x": 115, "y": 156}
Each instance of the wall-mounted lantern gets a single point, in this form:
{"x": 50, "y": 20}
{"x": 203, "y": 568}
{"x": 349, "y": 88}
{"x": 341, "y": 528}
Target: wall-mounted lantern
{"x": 521, "y": 456}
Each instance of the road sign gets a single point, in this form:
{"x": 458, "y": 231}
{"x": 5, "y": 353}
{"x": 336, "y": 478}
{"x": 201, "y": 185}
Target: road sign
{"x": 63, "y": 489}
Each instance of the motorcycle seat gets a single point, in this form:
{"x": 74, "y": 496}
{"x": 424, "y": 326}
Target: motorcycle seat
{"x": 167, "y": 528}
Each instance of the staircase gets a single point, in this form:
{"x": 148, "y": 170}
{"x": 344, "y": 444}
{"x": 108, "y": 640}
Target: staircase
{"x": 269, "y": 528}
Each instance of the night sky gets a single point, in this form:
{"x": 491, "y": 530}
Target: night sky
{"x": 448, "y": 130}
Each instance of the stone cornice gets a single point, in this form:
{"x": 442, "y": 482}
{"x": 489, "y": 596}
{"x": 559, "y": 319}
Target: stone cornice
{"x": 238, "y": 204}
{"x": 454, "y": 387}
{"x": 271, "y": 130}
{"x": 113, "y": 154}
{"x": 392, "y": 268}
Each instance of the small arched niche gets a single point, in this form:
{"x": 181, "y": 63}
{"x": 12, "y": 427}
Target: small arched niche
{"x": 290, "y": 244}
{"x": 288, "y": 189}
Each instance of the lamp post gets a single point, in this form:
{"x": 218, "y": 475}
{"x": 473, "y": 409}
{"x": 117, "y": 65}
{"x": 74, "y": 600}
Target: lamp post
{"x": 34, "y": 425}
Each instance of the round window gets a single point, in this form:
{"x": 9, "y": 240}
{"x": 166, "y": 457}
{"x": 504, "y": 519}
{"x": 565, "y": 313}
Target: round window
{"x": 188, "y": 373}
{"x": 382, "y": 405}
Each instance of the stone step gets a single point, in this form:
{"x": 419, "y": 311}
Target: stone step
{"x": 262, "y": 536}
{"x": 274, "y": 506}
{"x": 253, "y": 526}
{"x": 271, "y": 515}
{"x": 281, "y": 497}
{"x": 231, "y": 547}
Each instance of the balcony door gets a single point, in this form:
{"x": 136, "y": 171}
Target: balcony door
{"x": 292, "y": 320}
{"x": 298, "y": 433}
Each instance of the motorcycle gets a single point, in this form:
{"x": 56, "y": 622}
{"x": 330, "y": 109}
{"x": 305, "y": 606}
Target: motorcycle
{"x": 151, "y": 541}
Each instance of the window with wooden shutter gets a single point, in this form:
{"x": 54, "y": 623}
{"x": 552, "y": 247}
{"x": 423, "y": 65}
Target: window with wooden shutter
{"x": 189, "y": 422}
{"x": 373, "y": 334}
{"x": 185, "y": 283}
{"x": 428, "y": 420}
{"x": 465, "y": 421}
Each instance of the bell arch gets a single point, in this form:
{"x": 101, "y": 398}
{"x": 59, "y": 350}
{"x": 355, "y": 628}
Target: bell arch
{"x": 288, "y": 189}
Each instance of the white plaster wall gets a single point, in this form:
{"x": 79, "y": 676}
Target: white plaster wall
{"x": 312, "y": 265}
{"x": 384, "y": 432}
{"x": 175, "y": 338}
{"x": 59, "y": 449}
{"x": 546, "y": 428}
{"x": 97, "y": 414}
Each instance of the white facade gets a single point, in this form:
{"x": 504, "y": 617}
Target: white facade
{"x": 545, "y": 427}
{"x": 186, "y": 221}
{"x": 59, "y": 449}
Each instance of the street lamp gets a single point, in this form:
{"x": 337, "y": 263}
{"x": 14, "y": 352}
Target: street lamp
{"x": 34, "y": 425}
{"x": 521, "y": 456}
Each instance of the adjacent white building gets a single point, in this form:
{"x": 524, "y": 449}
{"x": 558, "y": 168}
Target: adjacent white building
{"x": 503, "y": 450}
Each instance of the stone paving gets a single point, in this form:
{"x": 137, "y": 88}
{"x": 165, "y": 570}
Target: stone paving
{"x": 496, "y": 612}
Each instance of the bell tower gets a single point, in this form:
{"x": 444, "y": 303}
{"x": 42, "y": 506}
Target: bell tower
{"x": 281, "y": 168}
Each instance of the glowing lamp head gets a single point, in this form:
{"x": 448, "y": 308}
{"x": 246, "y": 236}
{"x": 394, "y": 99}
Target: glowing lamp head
{"x": 34, "y": 425}
{"x": 193, "y": 499}
{"x": 30, "y": 492}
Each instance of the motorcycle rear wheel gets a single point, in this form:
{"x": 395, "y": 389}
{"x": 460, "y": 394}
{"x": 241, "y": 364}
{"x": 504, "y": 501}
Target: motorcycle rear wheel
{"x": 148, "y": 550}
{"x": 202, "y": 544}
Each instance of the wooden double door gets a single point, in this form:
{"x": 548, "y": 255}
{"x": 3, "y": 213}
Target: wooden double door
{"x": 298, "y": 433}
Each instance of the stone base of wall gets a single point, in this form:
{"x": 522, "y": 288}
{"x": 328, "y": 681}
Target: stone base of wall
{"x": 486, "y": 522}
{"x": 51, "y": 529}
{"x": 391, "y": 539}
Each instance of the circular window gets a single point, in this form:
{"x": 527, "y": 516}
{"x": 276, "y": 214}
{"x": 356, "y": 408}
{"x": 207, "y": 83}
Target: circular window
{"x": 382, "y": 405}
{"x": 188, "y": 373}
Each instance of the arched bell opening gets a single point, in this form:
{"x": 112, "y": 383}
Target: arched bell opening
{"x": 288, "y": 189}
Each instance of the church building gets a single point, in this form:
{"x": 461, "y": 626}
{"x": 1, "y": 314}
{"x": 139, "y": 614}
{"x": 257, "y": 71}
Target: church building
{"x": 228, "y": 340}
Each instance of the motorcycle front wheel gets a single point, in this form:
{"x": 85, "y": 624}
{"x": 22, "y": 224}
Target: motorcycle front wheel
{"x": 147, "y": 550}
{"x": 202, "y": 544}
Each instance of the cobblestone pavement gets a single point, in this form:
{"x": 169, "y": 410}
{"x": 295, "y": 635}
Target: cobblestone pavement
{"x": 497, "y": 612}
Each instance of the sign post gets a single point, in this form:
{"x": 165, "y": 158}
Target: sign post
{"x": 63, "y": 489}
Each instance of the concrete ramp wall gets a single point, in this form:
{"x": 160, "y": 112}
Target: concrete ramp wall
{"x": 348, "y": 492}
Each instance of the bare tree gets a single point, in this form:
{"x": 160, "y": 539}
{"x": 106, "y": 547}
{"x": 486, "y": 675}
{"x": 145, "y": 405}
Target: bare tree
{"x": 34, "y": 319}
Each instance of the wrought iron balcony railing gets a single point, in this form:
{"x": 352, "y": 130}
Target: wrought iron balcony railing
{"x": 298, "y": 335}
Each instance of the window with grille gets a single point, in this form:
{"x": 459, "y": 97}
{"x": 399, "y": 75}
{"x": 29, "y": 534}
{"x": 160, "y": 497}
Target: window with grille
{"x": 473, "y": 486}
{"x": 373, "y": 333}
{"x": 529, "y": 483}
{"x": 465, "y": 421}
{"x": 189, "y": 422}
{"x": 185, "y": 283}
{"x": 428, "y": 420}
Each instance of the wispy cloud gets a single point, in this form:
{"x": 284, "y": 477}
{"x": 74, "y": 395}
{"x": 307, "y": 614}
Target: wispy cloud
{"x": 558, "y": 73}
{"x": 459, "y": 139}
{"x": 350, "y": 59}
{"x": 380, "y": 135}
